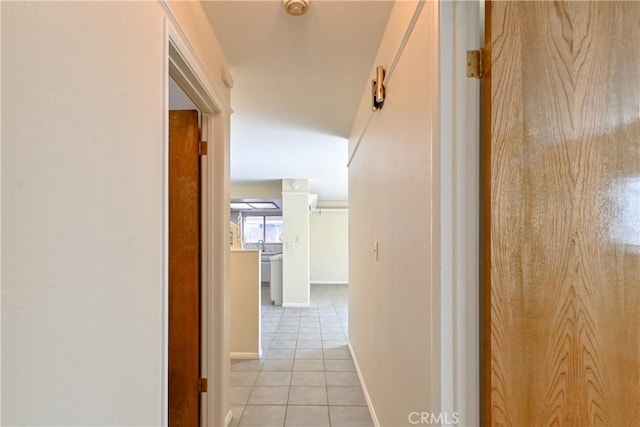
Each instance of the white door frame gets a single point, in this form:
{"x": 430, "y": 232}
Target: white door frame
{"x": 187, "y": 69}
{"x": 460, "y": 30}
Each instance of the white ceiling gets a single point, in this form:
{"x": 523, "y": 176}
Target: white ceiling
{"x": 298, "y": 84}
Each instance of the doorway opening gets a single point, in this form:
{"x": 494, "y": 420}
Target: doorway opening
{"x": 184, "y": 72}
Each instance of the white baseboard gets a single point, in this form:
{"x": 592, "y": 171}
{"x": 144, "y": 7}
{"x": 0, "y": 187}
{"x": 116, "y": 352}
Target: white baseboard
{"x": 228, "y": 418}
{"x": 328, "y": 282}
{"x": 240, "y": 355}
{"x": 372, "y": 411}
{"x": 295, "y": 304}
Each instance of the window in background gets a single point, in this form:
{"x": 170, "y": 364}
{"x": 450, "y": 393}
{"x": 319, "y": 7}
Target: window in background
{"x": 266, "y": 228}
{"x": 253, "y": 229}
{"x": 273, "y": 229}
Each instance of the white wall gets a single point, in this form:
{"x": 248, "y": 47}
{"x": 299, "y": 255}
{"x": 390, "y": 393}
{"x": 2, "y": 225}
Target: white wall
{"x": 271, "y": 189}
{"x": 333, "y": 204}
{"x": 295, "y": 248}
{"x": 84, "y": 96}
{"x": 329, "y": 245}
{"x": 416, "y": 309}
{"x": 394, "y": 302}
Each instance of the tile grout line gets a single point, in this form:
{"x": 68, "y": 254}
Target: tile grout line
{"x": 336, "y": 320}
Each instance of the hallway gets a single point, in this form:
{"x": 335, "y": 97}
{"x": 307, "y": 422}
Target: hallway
{"x": 85, "y": 214}
{"x": 306, "y": 376}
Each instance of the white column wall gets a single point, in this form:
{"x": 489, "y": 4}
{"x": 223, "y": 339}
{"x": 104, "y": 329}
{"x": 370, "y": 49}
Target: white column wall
{"x": 295, "y": 248}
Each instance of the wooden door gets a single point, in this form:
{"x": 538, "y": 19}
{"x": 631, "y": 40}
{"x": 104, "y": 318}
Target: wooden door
{"x": 184, "y": 269}
{"x": 562, "y": 214}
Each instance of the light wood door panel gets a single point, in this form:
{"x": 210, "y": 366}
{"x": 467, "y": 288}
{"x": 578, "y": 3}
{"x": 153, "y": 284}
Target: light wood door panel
{"x": 184, "y": 269}
{"x": 563, "y": 258}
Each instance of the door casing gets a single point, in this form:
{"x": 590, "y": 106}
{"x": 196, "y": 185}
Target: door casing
{"x": 183, "y": 65}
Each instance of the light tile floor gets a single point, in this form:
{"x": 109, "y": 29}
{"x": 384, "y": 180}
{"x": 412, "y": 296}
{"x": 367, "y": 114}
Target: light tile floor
{"x": 306, "y": 377}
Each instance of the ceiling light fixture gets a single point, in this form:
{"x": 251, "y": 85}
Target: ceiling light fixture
{"x": 296, "y": 7}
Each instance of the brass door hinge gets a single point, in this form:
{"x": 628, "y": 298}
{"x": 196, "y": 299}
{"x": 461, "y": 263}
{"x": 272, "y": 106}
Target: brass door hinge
{"x": 202, "y": 148}
{"x": 475, "y": 64}
{"x": 202, "y": 385}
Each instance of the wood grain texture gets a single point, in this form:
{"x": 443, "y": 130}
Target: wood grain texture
{"x": 565, "y": 214}
{"x": 184, "y": 269}
{"x": 485, "y": 231}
